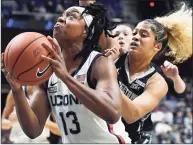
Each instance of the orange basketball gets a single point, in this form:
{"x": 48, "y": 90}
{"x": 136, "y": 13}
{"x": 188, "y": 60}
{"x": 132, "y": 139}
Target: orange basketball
{"x": 22, "y": 58}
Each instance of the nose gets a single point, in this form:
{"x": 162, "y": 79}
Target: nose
{"x": 120, "y": 37}
{"x": 134, "y": 38}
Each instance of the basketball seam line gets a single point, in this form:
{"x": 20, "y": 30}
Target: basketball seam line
{"x": 31, "y": 67}
{"x": 21, "y": 54}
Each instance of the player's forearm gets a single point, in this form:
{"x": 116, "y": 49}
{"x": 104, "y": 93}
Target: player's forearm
{"x": 86, "y": 2}
{"x": 6, "y": 112}
{"x": 27, "y": 119}
{"x": 130, "y": 111}
{"x": 179, "y": 84}
{"x": 95, "y": 100}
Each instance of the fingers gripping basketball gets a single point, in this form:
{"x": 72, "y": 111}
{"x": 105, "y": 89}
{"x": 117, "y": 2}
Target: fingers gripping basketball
{"x": 22, "y": 58}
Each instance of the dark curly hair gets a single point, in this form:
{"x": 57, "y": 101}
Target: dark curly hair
{"x": 99, "y": 24}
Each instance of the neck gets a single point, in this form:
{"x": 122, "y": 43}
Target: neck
{"x": 138, "y": 65}
{"x": 69, "y": 51}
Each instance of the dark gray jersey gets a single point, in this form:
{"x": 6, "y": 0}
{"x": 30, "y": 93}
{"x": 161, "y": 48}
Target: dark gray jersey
{"x": 133, "y": 89}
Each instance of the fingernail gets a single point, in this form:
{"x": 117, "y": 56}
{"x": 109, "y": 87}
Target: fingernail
{"x": 49, "y": 37}
{"x": 44, "y": 44}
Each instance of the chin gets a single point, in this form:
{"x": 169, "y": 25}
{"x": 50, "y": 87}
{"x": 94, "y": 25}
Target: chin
{"x": 57, "y": 35}
{"x": 133, "y": 51}
{"x": 130, "y": 50}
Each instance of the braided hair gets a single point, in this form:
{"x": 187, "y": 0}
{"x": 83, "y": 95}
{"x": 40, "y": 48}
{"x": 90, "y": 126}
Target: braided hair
{"x": 99, "y": 24}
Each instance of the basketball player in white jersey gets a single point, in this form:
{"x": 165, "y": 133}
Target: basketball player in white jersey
{"x": 83, "y": 91}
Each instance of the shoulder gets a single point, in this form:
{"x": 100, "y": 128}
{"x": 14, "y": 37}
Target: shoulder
{"x": 156, "y": 77}
{"x": 103, "y": 62}
{"x": 157, "y": 82}
{"x": 103, "y": 66}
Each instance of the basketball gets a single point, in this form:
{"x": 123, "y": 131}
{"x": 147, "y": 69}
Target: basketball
{"x": 22, "y": 58}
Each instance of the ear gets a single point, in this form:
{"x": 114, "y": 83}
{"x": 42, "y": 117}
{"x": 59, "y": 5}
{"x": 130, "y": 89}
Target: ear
{"x": 158, "y": 47}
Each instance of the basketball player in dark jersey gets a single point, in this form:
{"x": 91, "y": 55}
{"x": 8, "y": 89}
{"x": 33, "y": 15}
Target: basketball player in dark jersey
{"x": 168, "y": 70}
{"x": 119, "y": 45}
{"x": 143, "y": 89}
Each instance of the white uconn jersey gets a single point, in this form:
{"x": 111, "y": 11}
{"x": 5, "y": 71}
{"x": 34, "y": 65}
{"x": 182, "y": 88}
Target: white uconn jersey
{"x": 77, "y": 123}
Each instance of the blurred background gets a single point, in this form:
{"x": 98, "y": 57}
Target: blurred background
{"x": 173, "y": 117}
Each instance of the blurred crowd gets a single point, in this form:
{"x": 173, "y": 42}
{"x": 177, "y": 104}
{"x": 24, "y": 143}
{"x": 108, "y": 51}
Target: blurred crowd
{"x": 173, "y": 118}
{"x": 42, "y": 7}
{"x": 131, "y": 11}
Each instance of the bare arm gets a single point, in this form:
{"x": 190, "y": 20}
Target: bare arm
{"x": 179, "y": 84}
{"x": 106, "y": 96}
{"x": 172, "y": 72}
{"x": 155, "y": 90}
{"x": 32, "y": 117}
{"x": 8, "y": 106}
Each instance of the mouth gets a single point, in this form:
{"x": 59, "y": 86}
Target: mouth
{"x": 134, "y": 44}
{"x": 121, "y": 43}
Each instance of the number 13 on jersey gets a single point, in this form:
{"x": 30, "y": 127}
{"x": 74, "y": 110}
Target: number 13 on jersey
{"x": 72, "y": 115}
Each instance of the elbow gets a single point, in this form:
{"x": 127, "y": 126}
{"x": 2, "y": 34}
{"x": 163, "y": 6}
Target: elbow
{"x": 131, "y": 117}
{"x": 32, "y": 134}
{"x": 131, "y": 120}
{"x": 114, "y": 117}
{"x": 181, "y": 90}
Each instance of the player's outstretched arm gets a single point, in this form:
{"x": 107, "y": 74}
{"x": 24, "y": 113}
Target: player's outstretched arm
{"x": 172, "y": 72}
{"x": 133, "y": 110}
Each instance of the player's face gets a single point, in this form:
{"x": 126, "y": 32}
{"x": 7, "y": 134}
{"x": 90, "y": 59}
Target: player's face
{"x": 143, "y": 41}
{"x": 123, "y": 38}
{"x": 70, "y": 26}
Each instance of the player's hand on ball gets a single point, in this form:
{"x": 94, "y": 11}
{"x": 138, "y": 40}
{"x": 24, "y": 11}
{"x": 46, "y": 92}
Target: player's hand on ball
{"x": 15, "y": 85}
{"x": 169, "y": 69}
{"x": 56, "y": 59}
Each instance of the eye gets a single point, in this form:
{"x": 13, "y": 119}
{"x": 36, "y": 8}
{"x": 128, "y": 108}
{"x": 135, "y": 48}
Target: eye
{"x": 126, "y": 33}
{"x": 134, "y": 33}
{"x": 71, "y": 15}
{"x": 143, "y": 34}
{"x": 117, "y": 33}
